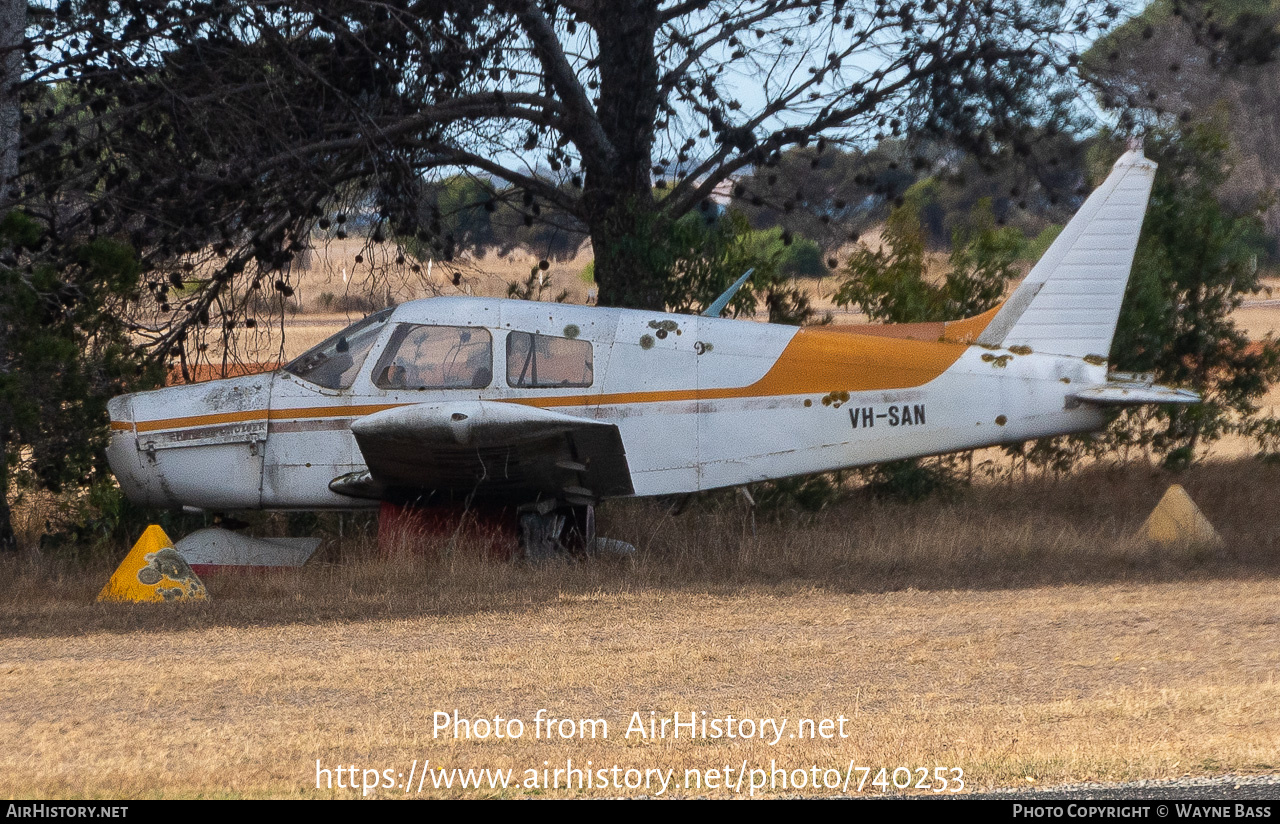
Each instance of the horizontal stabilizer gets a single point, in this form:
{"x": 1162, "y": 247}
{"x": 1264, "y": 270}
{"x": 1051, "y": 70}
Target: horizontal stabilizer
{"x": 212, "y": 548}
{"x": 1131, "y": 391}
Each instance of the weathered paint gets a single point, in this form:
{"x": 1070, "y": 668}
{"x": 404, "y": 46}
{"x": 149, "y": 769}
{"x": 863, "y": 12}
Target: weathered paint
{"x": 1177, "y": 520}
{"x": 153, "y": 571}
{"x": 214, "y": 550}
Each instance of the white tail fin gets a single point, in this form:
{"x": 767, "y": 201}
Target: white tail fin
{"x": 1069, "y": 303}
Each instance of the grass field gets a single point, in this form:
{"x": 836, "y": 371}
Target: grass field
{"x": 1016, "y": 631}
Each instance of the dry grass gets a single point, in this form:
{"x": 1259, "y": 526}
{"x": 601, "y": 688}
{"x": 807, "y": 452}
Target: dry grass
{"x": 1012, "y": 534}
{"x": 1018, "y": 633}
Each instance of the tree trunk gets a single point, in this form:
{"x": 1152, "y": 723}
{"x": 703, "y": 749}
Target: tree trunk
{"x": 13, "y": 19}
{"x": 626, "y": 232}
{"x": 8, "y": 541}
{"x": 631, "y": 263}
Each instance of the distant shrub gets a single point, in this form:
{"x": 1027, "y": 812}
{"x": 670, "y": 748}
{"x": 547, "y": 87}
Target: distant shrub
{"x": 358, "y": 304}
{"x": 1034, "y": 248}
{"x": 803, "y": 258}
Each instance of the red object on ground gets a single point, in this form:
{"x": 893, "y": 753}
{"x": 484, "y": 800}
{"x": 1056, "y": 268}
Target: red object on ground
{"x": 419, "y": 530}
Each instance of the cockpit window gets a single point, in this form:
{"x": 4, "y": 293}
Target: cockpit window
{"x": 335, "y": 363}
{"x": 436, "y": 357}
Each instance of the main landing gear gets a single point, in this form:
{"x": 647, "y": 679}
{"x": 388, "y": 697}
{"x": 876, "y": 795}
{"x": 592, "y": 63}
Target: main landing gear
{"x": 542, "y": 530}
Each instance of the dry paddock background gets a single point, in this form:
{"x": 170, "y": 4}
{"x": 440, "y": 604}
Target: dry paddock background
{"x": 1017, "y": 631}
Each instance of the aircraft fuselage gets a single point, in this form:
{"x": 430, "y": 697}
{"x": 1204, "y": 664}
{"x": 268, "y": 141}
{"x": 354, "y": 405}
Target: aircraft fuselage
{"x": 700, "y": 403}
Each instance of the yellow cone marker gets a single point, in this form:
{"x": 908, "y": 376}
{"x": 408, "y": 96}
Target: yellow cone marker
{"x": 1177, "y": 520}
{"x": 153, "y": 571}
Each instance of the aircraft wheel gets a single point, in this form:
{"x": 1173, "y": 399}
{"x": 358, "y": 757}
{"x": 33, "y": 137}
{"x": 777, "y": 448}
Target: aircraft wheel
{"x": 540, "y": 535}
{"x": 560, "y": 532}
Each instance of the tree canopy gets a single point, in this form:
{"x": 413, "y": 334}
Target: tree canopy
{"x": 1201, "y": 62}
{"x": 216, "y": 135}
{"x": 68, "y": 352}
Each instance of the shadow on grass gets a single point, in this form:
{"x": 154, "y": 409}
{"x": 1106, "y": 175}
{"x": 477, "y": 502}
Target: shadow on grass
{"x": 1039, "y": 532}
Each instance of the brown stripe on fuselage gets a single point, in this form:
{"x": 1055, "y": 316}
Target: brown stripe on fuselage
{"x": 257, "y": 415}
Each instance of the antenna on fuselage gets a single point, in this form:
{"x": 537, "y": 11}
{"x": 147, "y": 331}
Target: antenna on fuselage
{"x": 717, "y": 307}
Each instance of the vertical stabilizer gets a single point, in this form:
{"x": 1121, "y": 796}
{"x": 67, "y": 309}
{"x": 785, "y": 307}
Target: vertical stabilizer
{"x": 1069, "y": 303}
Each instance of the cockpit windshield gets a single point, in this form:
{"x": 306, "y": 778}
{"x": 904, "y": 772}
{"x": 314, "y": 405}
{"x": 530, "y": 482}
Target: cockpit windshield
{"x": 335, "y": 363}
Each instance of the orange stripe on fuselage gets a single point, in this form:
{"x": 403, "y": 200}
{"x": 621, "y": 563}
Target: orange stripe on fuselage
{"x": 815, "y": 361}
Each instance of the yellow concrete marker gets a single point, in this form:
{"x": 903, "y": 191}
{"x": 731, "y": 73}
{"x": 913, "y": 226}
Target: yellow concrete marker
{"x": 153, "y": 571}
{"x": 1177, "y": 520}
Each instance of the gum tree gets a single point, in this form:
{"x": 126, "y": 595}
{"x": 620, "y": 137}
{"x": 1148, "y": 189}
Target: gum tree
{"x": 228, "y": 131}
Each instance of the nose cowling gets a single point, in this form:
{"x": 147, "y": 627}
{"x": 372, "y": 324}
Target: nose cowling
{"x": 199, "y": 445}
{"x": 122, "y": 450}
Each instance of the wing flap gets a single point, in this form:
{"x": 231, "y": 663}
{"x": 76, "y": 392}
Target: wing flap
{"x": 486, "y": 449}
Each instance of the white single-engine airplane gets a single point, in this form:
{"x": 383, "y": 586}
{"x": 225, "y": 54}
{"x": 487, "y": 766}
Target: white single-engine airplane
{"x": 557, "y": 407}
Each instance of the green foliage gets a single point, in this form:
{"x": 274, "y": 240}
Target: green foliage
{"x": 460, "y": 203}
{"x": 94, "y": 523}
{"x": 982, "y": 263}
{"x": 913, "y": 479}
{"x": 804, "y": 259}
{"x": 1195, "y": 263}
{"x": 468, "y": 214}
{"x": 1034, "y": 248}
{"x": 64, "y": 351}
{"x": 1245, "y": 29}
{"x": 785, "y": 254}
{"x": 826, "y": 193}
{"x": 889, "y": 284}
{"x": 796, "y": 496}
{"x": 892, "y": 284}
{"x": 706, "y": 253}
{"x": 834, "y": 194}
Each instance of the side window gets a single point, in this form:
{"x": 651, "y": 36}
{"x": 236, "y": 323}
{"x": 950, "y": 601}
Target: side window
{"x": 542, "y": 361}
{"x": 436, "y": 357}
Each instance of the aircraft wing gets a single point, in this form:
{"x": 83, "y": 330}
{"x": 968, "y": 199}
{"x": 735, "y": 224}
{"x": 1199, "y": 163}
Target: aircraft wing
{"x": 487, "y": 449}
